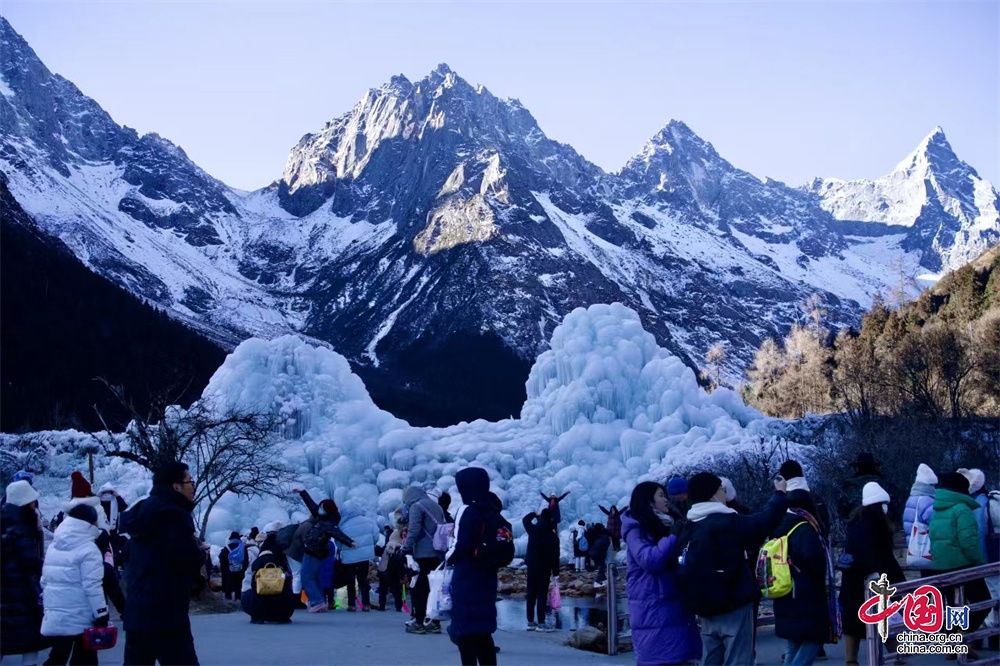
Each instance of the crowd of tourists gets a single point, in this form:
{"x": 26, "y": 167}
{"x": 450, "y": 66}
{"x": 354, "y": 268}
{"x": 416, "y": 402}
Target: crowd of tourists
{"x": 698, "y": 563}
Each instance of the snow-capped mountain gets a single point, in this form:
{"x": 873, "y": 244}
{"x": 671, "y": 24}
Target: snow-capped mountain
{"x": 434, "y": 235}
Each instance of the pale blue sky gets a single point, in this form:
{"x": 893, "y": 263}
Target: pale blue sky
{"x": 786, "y": 90}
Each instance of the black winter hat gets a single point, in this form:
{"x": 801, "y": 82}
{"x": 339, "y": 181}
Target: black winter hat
{"x": 88, "y": 514}
{"x": 954, "y": 481}
{"x": 702, "y": 486}
{"x": 790, "y": 470}
{"x": 234, "y": 535}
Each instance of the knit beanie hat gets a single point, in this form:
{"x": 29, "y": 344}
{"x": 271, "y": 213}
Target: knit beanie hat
{"x": 677, "y": 486}
{"x": 926, "y": 475}
{"x": 873, "y": 493}
{"x": 790, "y": 469}
{"x": 20, "y": 493}
{"x": 84, "y": 512}
{"x": 955, "y": 482}
{"x": 328, "y": 508}
{"x": 79, "y": 486}
{"x": 730, "y": 490}
{"x": 260, "y": 537}
{"x": 24, "y": 475}
{"x": 976, "y": 477}
{"x": 703, "y": 486}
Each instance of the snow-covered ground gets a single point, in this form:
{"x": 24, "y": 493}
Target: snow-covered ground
{"x": 606, "y": 408}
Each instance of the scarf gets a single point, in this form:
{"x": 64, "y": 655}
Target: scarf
{"x": 702, "y": 510}
{"x": 664, "y": 518}
{"x": 832, "y": 607}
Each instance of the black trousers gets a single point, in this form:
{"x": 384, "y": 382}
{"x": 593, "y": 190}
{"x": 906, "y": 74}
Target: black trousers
{"x": 390, "y": 581}
{"x": 538, "y": 595}
{"x": 422, "y": 588}
{"x": 173, "y": 648}
{"x": 232, "y": 583}
{"x": 478, "y": 649}
{"x": 357, "y": 581}
{"x": 64, "y": 646}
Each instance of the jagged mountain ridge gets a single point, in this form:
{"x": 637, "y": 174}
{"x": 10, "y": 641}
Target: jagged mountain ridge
{"x": 436, "y": 221}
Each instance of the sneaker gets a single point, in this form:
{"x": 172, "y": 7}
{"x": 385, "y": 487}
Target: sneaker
{"x": 319, "y": 608}
{"x": 547, "y": 628}
{"x": 433, "y": 627}
{"x": 532, "y": 626}
{"x": 367, "y": 609}
{"x": 415, "y": 628}
{"x": 379, "y": 608}
{"x": 352, "y": 609}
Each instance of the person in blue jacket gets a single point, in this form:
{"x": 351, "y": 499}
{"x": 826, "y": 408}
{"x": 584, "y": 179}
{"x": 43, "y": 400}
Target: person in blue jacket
{"x": 662, "y": 631}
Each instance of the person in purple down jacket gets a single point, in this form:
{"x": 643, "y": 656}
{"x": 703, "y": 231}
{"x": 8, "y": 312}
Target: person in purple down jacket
{"x": 662, "y": 631}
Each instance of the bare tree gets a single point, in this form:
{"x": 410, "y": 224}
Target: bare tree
{"x": 229, "y": 450}
{"x": 714, "y": 359}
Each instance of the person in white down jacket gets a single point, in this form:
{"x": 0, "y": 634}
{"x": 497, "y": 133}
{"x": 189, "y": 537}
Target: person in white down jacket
{"x": 72, "y": 594}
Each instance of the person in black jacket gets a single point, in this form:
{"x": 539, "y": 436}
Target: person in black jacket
{"x": 474, "y": 583}
{"x": 869, "y": 550}
{"x": 543, "y": 563}
{"x": 720, "y": 537}
{"x": 274, "y": 608}
{"x": 802, "y": 618}
{"x": 20, "y": 573}
{"x": 164, "y": 560}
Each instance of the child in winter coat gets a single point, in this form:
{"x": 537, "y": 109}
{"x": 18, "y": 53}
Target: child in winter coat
{"x": 73, "y": 596}
{"x": 390, "y": 566}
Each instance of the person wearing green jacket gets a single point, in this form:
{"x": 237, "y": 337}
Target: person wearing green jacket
{"x": 955, "y": 540}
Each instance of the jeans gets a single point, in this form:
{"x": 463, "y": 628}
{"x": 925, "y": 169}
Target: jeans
{"x": 728, "y": 638}
{"x": 296, "y": 568}
{"x": 358, "y": 572}
{"x": 477, "y": 649}
{"x": 801, "y": 654}
{"x": 310, "y": 579}
{"x": 63, "y": 646}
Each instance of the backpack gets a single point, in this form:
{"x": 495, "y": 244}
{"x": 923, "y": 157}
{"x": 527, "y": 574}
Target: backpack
{"x": 993, "y": 526}
{"x": 237, "y": 557}
{"x": 317, "y": 541}
{"x": 583, "y": 544}
{"x": 269, "y": 580}
{"x": 496, "y": 546}
{"x": 918, "y": 544}
{"x": 283, "y": 539}
{"x": 705, "y": 583}
{"x": 442, "y": 535}
{"x": 774, "y": 566}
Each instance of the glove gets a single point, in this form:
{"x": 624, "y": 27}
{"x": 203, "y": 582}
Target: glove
{"x": 101, "y": 620}
{"x": 411, "y": 563}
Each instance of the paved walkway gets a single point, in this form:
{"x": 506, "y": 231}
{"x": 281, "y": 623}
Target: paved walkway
{"x": 378, "y": 638}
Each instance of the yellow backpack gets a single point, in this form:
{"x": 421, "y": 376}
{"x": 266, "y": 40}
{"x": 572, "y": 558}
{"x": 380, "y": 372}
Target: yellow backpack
{"x": 774, "y": 568}
{"x": 269, "y": 580}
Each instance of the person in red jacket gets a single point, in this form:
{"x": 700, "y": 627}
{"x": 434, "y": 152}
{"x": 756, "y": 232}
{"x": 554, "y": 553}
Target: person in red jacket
{"x": 553, "y": 503}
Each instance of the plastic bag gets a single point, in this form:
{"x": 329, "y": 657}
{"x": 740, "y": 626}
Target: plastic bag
{"x": 555, "y": 599}
{"x": 439, "y": 602}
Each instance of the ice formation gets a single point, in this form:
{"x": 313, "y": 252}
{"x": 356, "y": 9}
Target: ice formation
{"x": 606, "y": 408}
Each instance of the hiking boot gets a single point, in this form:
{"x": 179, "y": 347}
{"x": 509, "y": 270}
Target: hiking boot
{"x": 319, "y": 608}
{"x": 532, "y": 626}
{"x": 415, "y": 628}
{"x": 433, "y": 627}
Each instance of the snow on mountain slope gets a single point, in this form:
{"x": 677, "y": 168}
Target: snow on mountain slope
{"x": 436, "y": 224}
{"x": 950, "y": 213}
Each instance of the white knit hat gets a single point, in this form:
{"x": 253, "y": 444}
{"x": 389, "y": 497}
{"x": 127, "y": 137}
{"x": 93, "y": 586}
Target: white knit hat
{"x": 926, "y": 475}
{"x": 20, "y": 493}
{"x": 873, "y": 493}
{"x": 976, "y": 477}
{"x": 730, "y": 490}
{"x": 273, "y": 526}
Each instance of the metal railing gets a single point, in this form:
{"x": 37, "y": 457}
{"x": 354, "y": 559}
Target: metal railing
{"x": 944, "y": 582}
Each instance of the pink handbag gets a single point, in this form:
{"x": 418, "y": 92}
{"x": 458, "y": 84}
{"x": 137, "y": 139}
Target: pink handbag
{"x": 100, "y": 638}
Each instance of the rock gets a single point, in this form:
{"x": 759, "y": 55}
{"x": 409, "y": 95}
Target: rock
{"x": 589, "y": 638}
